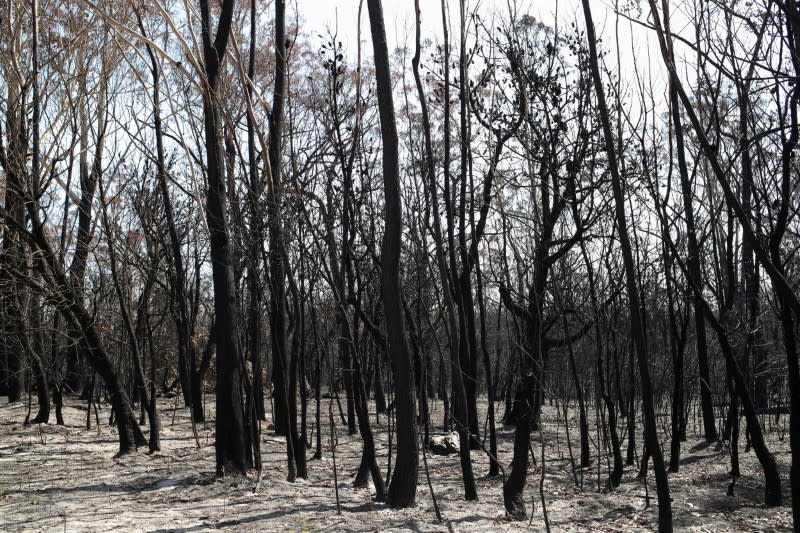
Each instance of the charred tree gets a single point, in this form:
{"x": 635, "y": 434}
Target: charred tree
{"x": 637, "y": 326}
{"x": 230, "y": 439}
{"x": 403, "y": 485}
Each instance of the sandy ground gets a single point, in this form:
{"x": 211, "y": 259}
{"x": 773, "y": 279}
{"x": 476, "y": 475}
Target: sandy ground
{"x": 65, "y": 478}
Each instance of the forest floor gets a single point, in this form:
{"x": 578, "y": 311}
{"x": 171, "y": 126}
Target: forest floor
{"x": 65, "y": 478}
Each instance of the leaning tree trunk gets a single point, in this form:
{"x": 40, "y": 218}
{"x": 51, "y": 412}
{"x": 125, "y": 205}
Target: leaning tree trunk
{"x": 133, "y": 338}
{"x": 637, "y": 326}
{"x": 186, "y": 356}
{"x": 772, "y": 482}
{"x": 78, "y": 317}
{"x": 695, "y": 274}
{"x": 369, "y": 462}
{"x": 770, "y": 264}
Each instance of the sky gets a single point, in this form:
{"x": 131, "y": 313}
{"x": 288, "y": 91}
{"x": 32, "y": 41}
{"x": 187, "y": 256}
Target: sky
{"x": 399, "y": 14}
{"x": 637, "y": 46}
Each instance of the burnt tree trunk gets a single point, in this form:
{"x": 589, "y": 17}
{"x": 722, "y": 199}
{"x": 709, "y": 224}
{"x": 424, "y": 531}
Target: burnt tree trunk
{"x": 230, "y": 438}
{"x": 637, "y": 325}
{"x": 403, "y": 485}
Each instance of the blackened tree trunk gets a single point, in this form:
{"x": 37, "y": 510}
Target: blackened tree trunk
{"x": 35, "y": 350}
{"x": 695, "y": 272}
{"x": 754, "y": 343}
{"x": 295, "y": 382}
{"x": 459, "y": 348}
{"x": 532, "y": 360}
{"x": 11, "y": 325}
{"x": 403, "y": 485}
{"x": 123, "y": 299}
{"x": 78, "y": 317}
{"x": 582, "y": 420}
{"x": 144, "y": 331}
{"x": 180, "y": 311}
{"x": 254, "y": 285}
{"x": 615, "y": 477}
{"x": 789, "y": 309}
{"x": 772, "y": 482}
{"x": 463, "y": 280}
{"x": 277, "y": 269}
{"x": 677, "y": 339}
{"x": 40, "y": 378}
{"x": 630, "y": 455}
{"x": 637, "y": 326}
{"x": 230, "y": 439}
{"x": 677, "y": 342}
{"x": 494, "y": 466}
{"x": 369, "y": 460}
{"x": 88, "y": 184}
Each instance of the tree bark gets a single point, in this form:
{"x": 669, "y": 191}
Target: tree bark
{"x": 403, "y": 485}
{"x": 230, "y": 445}
{"x": 637, "y": 327}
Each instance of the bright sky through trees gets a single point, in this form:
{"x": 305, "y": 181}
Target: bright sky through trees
{"x": 633, "y": 45}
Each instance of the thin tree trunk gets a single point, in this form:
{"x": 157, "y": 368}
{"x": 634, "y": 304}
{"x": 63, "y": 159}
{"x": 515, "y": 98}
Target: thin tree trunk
{"x": 637, "y": 326}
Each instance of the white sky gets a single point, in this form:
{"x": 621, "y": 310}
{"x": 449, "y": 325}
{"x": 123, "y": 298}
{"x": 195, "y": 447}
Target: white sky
{"x": 635, "y": 43}
{"x": 399, "y": 14}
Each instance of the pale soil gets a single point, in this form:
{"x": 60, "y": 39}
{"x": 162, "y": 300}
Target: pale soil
{"x": 65, "y": 478}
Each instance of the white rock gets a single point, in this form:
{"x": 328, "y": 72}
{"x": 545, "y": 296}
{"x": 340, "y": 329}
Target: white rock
{"x": 445, "y": 444}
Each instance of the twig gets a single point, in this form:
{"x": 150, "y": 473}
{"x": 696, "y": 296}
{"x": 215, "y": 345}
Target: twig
{"x": 333, "y": 454}
{"x": 260, "y": 476}
{"x": 428, "y": 476}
